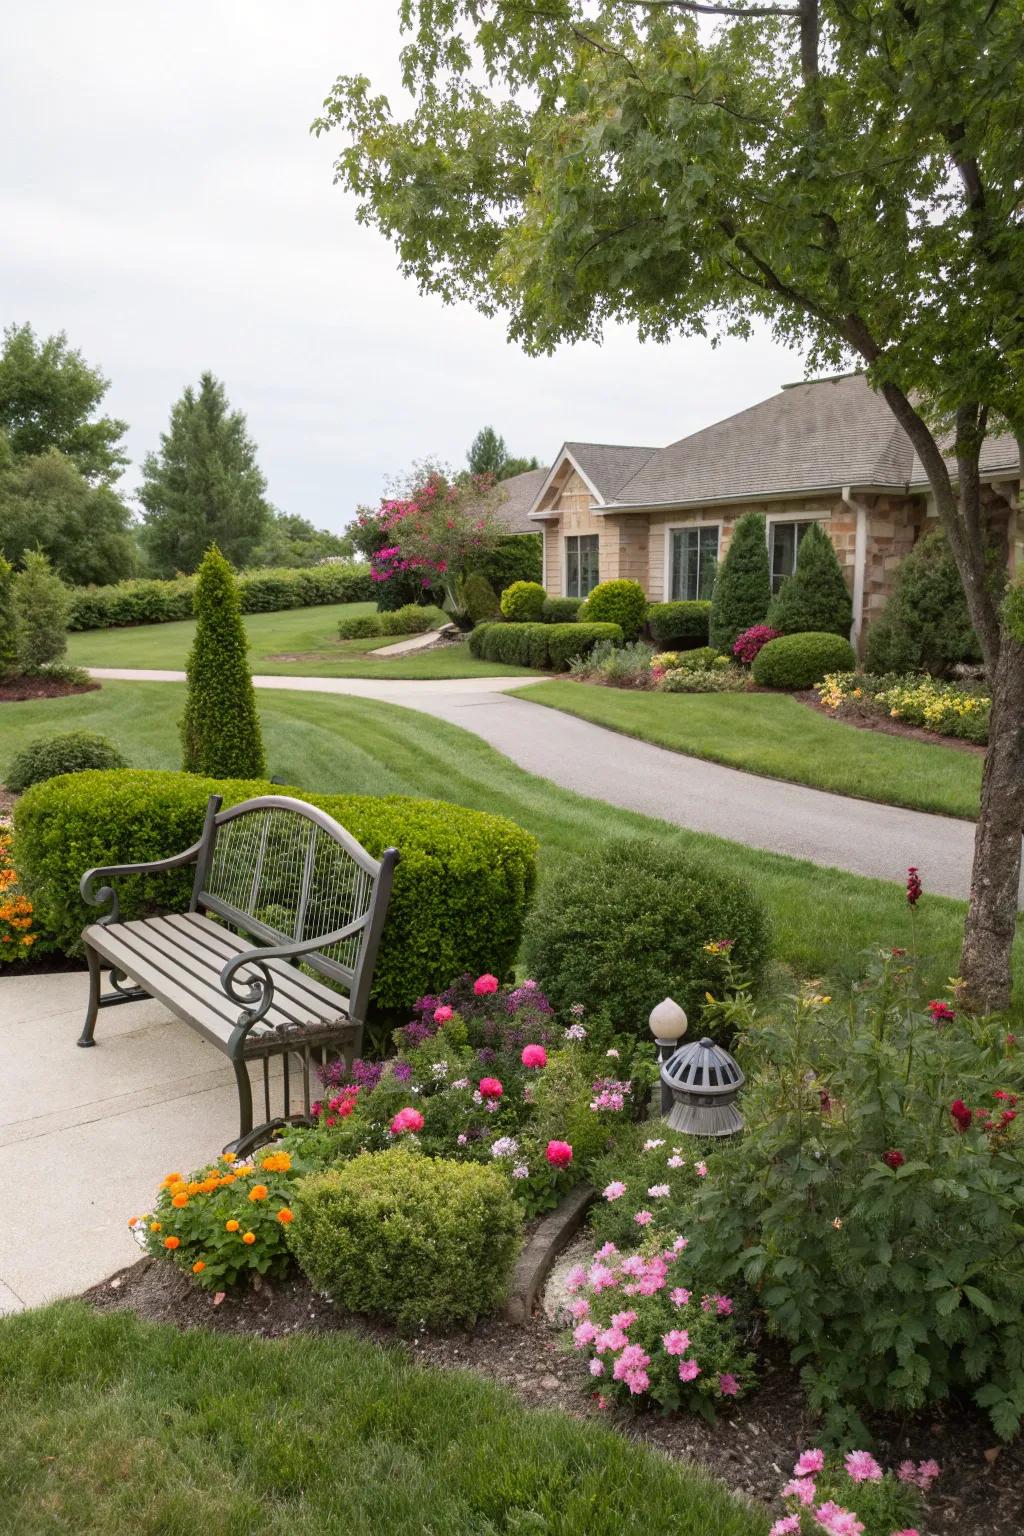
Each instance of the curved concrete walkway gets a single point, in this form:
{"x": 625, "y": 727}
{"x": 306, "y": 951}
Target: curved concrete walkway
{"x": 832, "y": 830}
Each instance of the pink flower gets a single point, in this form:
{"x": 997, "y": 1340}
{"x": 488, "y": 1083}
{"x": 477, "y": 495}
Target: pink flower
{"x": 727, "y": 1384}
{"x": 658, "y": 1191}
{"x": 677, "y": 1342}
{"x": 637, "y": 1382}
{"x": 485, "y": 984}
{"x": 584, "y": 1333}
{"x": 808, "y": 1462}
{"x": 558, "y": 1153}
{"x": 634, "y": 1264}
{"x": 534, "y": 1056}
{"x": 941, "y": 1012}
{"x": 407, "y": 1119}
{"x": 643, "y": 1218}
{"x": 801, "y": 1488}
{"x": 623, "y": 1319}
{"x": 679, "y": 1297}
{"x": 491, "y": 1088}
{"x": 838, "y": 1521}
{"x": 675, "y": 1161}
{"x": 921, "y": 1476}
{"x": 579, "y": 1309}
{"x": 605, "y": 1251}
{"x": 611, "y": 1339}
{"x": 911, "y": 1530}
{"x": 614, "y": 1191}
{"x": 723, "y": 1306}
{"x": 576, "y": 1279}
{"x": 861, "y": 1467}
{"x": 701, "y": 1170}
{"x": 600, "y": 1278}
{"x": 597, "y": 1367}
{"x": 689, "y": 1370}
{"x": 786, "y": 1526}
{"x": 443, "y": 1014}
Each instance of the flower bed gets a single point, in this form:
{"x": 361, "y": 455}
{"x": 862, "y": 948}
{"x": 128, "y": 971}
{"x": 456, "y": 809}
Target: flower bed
{"x": 945, "y": 709}
{"x": 16, "y": 936}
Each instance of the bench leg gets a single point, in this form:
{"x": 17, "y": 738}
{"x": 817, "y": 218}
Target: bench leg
{"x": 244, "y": 1098}
{"x": 93, "y": 1008}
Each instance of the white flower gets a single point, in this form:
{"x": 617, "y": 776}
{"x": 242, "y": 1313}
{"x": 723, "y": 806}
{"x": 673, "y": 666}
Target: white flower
{"x": 478, "y": 1097}
{"x": 505, "y": 1146}
{"x": 657, "y": 1191}
{"x": 613, "y": 1053}
{"x": 440, "y": 1069}
{"x": 653, "y": 1144}
{"x": 461, "y": 1082}
{"x": 520, "y": 1171}
{"x": 575, "y": 1032}
{"x": 676, "y": 1162}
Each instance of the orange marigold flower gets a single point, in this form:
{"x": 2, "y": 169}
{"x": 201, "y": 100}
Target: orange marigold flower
{"x": 180, "y": 1201}
{"x": 172, "y": 1178}
{"x": 227, "y": 1157}
{"x": 249, "y": 1237}
{"x": 198, "y": 1267}
{"x": 231, "y": 1226}
{"x": 284, "y": 1215}
{"x": 259, "y": 1192}
{"x": 277, "y": 1162}
{"x": 155, "y": 1226}
{"x": 133, "y": 1221}
{"x": 228, "y": 1178}
{"x": 172, "y": 1242}
{"x": 207, "y": 1186}
{"x": 193, "y": 1188}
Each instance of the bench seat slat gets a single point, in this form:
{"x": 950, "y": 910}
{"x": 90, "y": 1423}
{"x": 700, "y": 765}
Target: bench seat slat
{"x": 288, "y": 982}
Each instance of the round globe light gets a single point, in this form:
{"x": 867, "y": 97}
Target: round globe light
{"x": 668, "y": 1021}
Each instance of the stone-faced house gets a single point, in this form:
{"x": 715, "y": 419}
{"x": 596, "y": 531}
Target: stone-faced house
{"x": 827, "y": 451}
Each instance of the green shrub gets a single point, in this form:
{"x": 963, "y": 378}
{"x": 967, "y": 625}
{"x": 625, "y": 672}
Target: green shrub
{"x": 480, "y": 598}
{"x": 460, "y": 893}
{"x": 8, "y": 642}
{"x": 568, "y": 640}
{"x": 623, "y": 925}
{"x": 515, "y": 557}
{"x": 815, "y": 598}
{"x": 363, "y": 627}
{"x": 41, "y": 606}
{"x": 925, "y": 626}
{"x": 743, "y": 584}
{"x": 617, "y": 666}
{"x": 561, "y": 610}
{"x": 146, "y": 601}
{"x": 698, "y": 660}
{"x": 523, "y": 602}
{"x": 800, "y": 661}
{"x": 220, "y": 730}
{"x": 539, "y": 645}
{"x": 49, "y": 756}
{"x": 418, "y": 1240}
{"x": 411, "y": 619}
{"x": 617, "y": 602}
{"x": 716, "y": 678}
{"x": 679, "y": 626}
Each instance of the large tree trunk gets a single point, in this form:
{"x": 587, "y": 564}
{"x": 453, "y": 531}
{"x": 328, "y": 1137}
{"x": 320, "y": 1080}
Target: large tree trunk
{"x": 985, "y": 961}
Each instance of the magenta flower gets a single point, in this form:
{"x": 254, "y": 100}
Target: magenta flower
{"x": 727, "y": 1384}
{"x": 676, "y": 1342}
{"x": 534, "y": 1056}
{"x": 490, "y": 1088}
{"x": 679, "y": 1297}
{"x": 485, "y": 984}
{"x": 643, "y": 1218}
{"x": 407, "y": 1119}
{"x": 623, "y": 1319}
{"x": 801, "y": 1488}
{"x": 558, "y": 1154}
{"x": 443, "y": 1014}
{"x": 689, "y": 1370}
{"x": 584, "y": 1333}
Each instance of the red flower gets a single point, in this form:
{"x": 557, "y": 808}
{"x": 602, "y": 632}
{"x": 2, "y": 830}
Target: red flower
{"x": 491, "y": 1088}
{"x": 1006, "y": 1116}
{"x": 962, "y": 1116}
{"x": 558, "y": 1154}
{"x": 915, "y": 889}
{"x": 893, "y": 1158}
{"x": 941, "y": 1012}
{"x": 485, "y": 984}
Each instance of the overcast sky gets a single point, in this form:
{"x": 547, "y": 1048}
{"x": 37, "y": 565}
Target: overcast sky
{"x": 162, "y": 201}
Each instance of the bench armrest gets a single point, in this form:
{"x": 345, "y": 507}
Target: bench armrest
{"x": 256, "y": 995}
{"x": 106, "y": 893}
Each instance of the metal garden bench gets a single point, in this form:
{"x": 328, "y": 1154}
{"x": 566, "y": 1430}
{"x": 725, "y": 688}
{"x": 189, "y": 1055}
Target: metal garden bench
{"x": 277, "y": 882}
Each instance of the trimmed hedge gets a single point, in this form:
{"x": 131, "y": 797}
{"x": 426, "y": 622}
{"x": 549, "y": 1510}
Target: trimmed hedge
{"x": 460, "y": 895}
{"x": 561, "y": 610}
{"x": 800, "y": 661}
{"x": 539, "y": 645}
{"x": 49, "y": 756}
{"x": 679, "y": 626}
{"x": 423, "y": 1241}
{"x": 146, "y": 601}
{"x": 618, "y": 602}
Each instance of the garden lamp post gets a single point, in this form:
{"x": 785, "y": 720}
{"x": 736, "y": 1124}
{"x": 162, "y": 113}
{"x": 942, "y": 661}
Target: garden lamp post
{"x": 668, "y": 1026}
{"x": 702, "y": 1081}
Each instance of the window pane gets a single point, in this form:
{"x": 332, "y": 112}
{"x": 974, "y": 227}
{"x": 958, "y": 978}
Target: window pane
{"x": 708, "y": 562}
{"x": 675, "y": 590}
{"x": 572, "y": 568}
{"x": 784, "y": 539}
{"x": 588, "y": 564}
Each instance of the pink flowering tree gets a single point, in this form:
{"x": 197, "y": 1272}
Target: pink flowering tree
{"x": 434, "y": 534}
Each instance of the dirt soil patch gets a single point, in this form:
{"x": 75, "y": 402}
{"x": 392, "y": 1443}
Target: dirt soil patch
{"x": 751, "y": 1449}
{"x": 890, "y": 727}
{"x": 17, "y": 689}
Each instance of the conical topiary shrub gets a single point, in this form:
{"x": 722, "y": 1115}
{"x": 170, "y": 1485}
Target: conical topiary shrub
{"x": 743, "y": 585}
{"x": 815, "y": 598}
{"x": 220, "y": 731}
{"x": 8, "y": 635}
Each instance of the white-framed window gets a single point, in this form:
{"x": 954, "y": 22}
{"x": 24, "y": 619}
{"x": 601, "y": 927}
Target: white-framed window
{"x": 581, "y": 574}
{"x": 693, "y": 558}
{"x": 784, "y": 539}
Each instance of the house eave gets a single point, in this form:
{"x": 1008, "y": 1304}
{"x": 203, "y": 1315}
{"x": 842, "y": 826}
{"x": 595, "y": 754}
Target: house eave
{"x": 614, "y": 509}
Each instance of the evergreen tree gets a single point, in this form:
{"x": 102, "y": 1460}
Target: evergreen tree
{"x": 743, "y": 585}
{"x": 48, "y": 393}
{"x": 488, "y": 455}
{"x": 220, "y": 731}
{"x": 204, "y": 486}
{"x": 815, "y": 597}
{"x": 8, "y": 641}
{"x": 925, "y": 626}
{"x": 42, "y": 604}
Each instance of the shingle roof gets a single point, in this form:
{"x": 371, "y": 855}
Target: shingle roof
{"x": 608, "y": 466}
{"x": 520, "y": 495}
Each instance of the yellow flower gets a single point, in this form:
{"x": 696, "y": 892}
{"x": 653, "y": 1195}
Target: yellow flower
{"x": 231, "y": 1226}
{"x": 277, "y": 1162}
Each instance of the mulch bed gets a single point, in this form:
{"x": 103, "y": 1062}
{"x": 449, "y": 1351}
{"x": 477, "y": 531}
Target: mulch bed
{"x": 890, "y": 727}
{"x": 751, "y": 1449}
{"x": 17, "y": 689}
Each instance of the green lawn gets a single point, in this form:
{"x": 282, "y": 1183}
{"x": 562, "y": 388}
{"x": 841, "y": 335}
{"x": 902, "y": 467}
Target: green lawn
{"x": 773, "y": 734}
{"x": 823, "y": 919}
{"x": 309, "y": 633}
{"x": 112, "y": 1426}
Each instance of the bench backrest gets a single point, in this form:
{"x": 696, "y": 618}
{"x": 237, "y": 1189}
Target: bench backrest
{"x": 283, "y": 871}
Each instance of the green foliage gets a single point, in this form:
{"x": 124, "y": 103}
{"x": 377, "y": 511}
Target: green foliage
{"x": 220, "y": 730}
{"x": 265, "y": 591}
{"x": 8, "y": 633}
{"x": 617, "y": 602}
{"x": 47, "y": 504}
{"x": 617, "y": 666}
{"x": 815, "y": 598}
{"x": 488, "y": 456}
{"x": 743, "y": 585}
{"x": 479, "y": 598}
{"x": 523, "y": 602}
{"x": 41, "y": 606}
{"x": 363, "y": 627}
{"x": 718, "y": 676}
{"x": 878, "y": 1230}
{"x": 514, "y": 557}
{"x": 678, "y": 626}
{"x": 621, "y": 926}
{"x": 48, "y": 396}
{"x": 418, "y": 1240}
{"x": 204, "y": 486}
{"x": 70, "y": 752}
{"x": 459, "y": 899}
{"x": 801, "y": 660}
{"x": 412, "y": 619}
{"x": 292, "y": 541}
{"x": 925, "y": 626}
{"x": 561, "y": 610}
{"x": 539, "y": 645}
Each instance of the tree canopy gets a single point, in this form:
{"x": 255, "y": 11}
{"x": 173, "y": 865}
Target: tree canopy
{"x": 204, "y": 486}
{"x": 47, "y": 505}
{"x": 488, "y": 455}
{"x": 48, "y": 398}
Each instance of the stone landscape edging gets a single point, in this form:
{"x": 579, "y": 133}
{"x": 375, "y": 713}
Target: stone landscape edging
{"x": 543, "y": 1248}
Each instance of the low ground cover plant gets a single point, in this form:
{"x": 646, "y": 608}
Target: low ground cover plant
{"x": 616, "y": 666}
{"x": 853, "y": 1495}
{"x": 796, "y": 661}
{"x": 70, "y": 752}
{"x": 949, "y": 709}
{"x": 145, "y": 601}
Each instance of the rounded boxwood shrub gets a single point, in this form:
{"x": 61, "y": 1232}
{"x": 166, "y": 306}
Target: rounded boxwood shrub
{"x": 800, "y": 661}
{"x": 679, "y": 626}
{"x": 618, "y": 602}
{"x": 523, "y": 602}
{"x": 623, "y": 925}
{"x": 561, "y": 610}
{"x": 459, "y": 900}
{"x": 421, "y": 1241}
{"x": 48, "y": 756}
{"x": 480, "y": 598}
